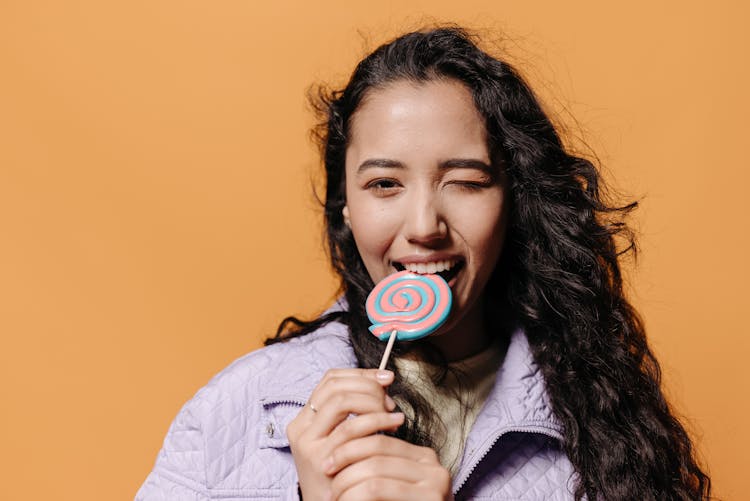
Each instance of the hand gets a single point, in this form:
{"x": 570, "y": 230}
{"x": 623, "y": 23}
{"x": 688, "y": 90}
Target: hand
{"x": 347, "y": 404}
{"x": 379, "y": 467}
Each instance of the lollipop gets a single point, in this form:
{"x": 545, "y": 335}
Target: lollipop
{"x": 407, "y": 306}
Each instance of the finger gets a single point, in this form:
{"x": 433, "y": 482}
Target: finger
{"x": 434, "y": 475}
{"x": 363, "y": 426}
{"x": 338, "y": 381}
{"x": 387, "y": 489}
{"x": 331, "y": 386}
{"x": 359, "y": 449}
{"x": 339, "y": 407}
{"x": 382, "y": 377}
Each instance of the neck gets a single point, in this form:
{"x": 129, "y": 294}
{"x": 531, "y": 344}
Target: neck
{"x": 469, "y": 337}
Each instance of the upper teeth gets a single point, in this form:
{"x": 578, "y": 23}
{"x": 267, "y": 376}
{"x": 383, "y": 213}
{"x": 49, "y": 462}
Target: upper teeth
{"x": 432, "y": 267}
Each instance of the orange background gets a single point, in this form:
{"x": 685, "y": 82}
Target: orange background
{"x": 156, "y": 217}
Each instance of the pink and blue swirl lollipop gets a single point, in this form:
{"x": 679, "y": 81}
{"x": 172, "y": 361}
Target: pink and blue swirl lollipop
{"x": 409, "y": 305}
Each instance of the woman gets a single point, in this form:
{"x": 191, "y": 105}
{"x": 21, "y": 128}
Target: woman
{"x": 541, "y": 385}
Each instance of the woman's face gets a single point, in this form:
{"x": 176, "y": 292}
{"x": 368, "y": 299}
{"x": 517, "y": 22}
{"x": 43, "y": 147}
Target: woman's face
{"x": 423, "y": 195}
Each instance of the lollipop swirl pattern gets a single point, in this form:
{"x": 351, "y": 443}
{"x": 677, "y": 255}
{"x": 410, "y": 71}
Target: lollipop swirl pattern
{"x": 412, "y": 305}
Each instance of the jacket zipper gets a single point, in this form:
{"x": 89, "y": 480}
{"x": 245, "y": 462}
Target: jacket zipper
{"x": 278, "y": 401}
{"x": 543, "y": 430}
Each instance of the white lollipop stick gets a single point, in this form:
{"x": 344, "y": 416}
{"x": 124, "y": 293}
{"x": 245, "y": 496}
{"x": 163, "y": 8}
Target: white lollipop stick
{"x": 388, "y": 348}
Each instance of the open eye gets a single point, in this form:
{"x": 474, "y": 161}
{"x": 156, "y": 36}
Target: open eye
{"x": 383, "y": 186}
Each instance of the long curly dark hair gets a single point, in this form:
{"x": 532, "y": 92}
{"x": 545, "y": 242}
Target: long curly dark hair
{"x": 559, "y": 276}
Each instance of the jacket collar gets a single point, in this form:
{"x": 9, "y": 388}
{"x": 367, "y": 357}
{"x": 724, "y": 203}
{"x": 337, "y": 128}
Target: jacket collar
{"x": 517, "y": 402}
{"x": 519, "y": 396}
{"x": 326, "y": 348}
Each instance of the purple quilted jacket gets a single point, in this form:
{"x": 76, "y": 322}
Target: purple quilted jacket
{"x": 229, "y": 442}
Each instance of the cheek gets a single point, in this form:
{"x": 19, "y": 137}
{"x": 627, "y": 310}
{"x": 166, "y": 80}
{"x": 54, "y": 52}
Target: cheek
{"x": 484, "y": 235}
{"x": 369, "y": 241}
{"x": 373, "y": 232}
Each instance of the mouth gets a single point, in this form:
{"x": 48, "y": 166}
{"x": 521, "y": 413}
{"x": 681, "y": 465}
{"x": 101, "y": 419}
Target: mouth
{"x": 447, "y": 269}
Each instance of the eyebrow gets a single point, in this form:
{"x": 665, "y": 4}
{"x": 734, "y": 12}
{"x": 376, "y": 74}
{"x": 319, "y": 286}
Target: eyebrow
{"x": 451, "y": 163}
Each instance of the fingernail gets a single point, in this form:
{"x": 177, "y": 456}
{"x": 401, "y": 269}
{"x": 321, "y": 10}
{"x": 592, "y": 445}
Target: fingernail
{"x": 384, "y": 376}
{"x": 328, "y": 465}
{"x": 396, "y": 417}
{"x": 389, "y": 403}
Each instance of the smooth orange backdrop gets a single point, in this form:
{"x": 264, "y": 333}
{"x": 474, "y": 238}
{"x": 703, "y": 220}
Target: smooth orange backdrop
{"x": 156, "y": 216}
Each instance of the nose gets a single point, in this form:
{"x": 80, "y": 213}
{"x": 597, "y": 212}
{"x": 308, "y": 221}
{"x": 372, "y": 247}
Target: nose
{"x": 425, "y": 223}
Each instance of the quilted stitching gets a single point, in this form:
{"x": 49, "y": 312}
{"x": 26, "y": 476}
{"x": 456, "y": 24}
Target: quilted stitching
{"x": 522, "y": 467}
{"x": 163, "y": 486}
{"x": 229, "y": 441}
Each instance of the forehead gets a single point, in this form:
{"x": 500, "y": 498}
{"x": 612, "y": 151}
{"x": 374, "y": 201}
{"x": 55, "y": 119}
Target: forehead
{"x": 410, "y": 115}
